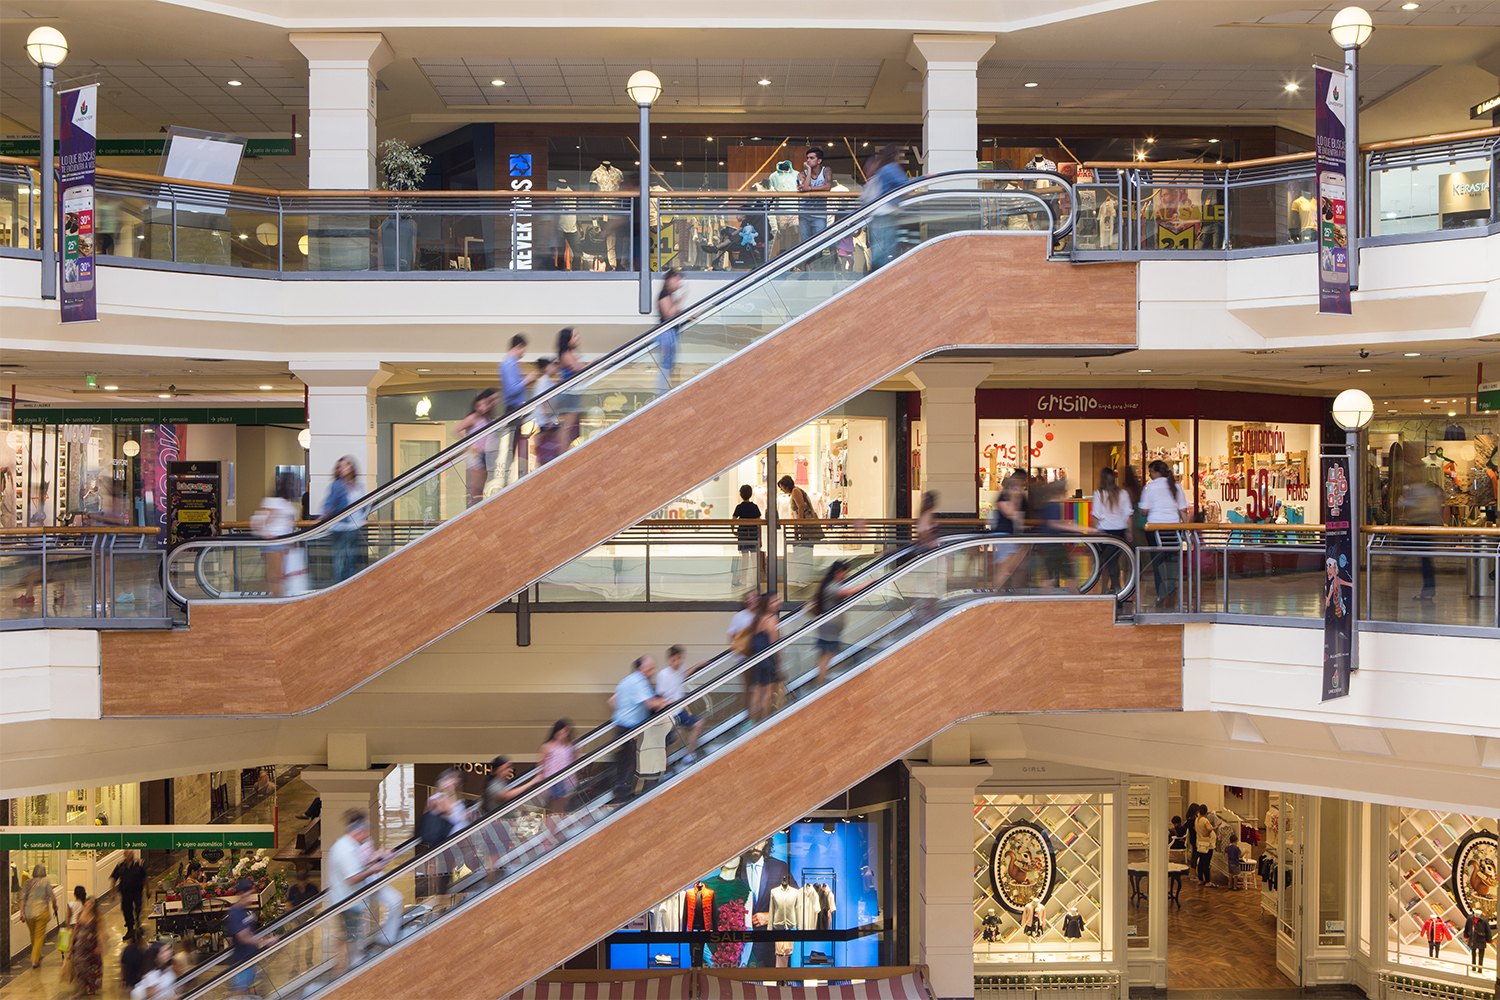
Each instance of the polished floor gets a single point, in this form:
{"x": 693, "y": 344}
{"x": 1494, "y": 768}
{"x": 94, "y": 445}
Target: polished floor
{"x": 1220, "y": 940}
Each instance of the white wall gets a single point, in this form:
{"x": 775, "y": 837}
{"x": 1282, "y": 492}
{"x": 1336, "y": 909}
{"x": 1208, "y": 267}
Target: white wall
{"x": 49, "y": 674}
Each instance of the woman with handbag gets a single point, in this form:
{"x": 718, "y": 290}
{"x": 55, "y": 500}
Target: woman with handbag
{"x": 36, "y": 895}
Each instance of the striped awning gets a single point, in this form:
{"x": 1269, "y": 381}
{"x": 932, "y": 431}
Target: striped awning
{"x": 907, "y": 987}
{"x": 655, "y": 988}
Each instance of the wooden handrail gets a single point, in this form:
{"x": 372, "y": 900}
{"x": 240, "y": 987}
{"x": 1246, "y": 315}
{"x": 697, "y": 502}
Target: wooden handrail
{"x": 1195, "y": 164}
{"x": 1230, "y": 526}
{"x": 1430, "y": 531}
{"x": 1367, "y": 529}
{"x": 1375, "y": 147}
{"x": 77, "y": 530}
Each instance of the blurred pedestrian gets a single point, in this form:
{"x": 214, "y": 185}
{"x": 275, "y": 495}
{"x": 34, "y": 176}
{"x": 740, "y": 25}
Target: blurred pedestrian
{"x": 160, "y": 979}
{"x": 925, "y": 583}
{"x": 241, "y": 927}
{"x": 1110, "y": 512}
{"x": 569, "y": 405}
{"x": 129, "y": 880}
{"x": 286, "y": 568}
{"x": 883, "y": 175}
{"x": 804, "y": 536}
{"x": 1008, "y": 518}
{"x": 36, "y": 896}
{"x": 500, "y": 789}
{"x": 671, "y": 684}
{"x": 298, "y": 895}
{"x": 555, "y": 756}
{"x": 484, "y": 445}
{"x": 133, "y": 958}
{"x": 764, "y": 670}
{"x": 1421, "y": 505}
{"x": 748, "y": 536}
{"x": 1163, "y": 502}
{"x": 631, "y": 705}
{"x": 513, "y": 385}
{"x": 829, "y": 593}
{"x": 668, "y": 306}
{"x": 549, "y": 429}
{"x": 344, "y": 534}
{"x": 87, "y": 950}
{"x": 352, "y": 862}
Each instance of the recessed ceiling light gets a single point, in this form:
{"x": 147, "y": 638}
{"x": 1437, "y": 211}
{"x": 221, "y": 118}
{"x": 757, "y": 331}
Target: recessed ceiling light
{"x": 679, "y": 163}
{"x": 755, "y": 138}
{"x": 1362, "y": 371}
{"x": 296, "y": 135}
{"x": 111, "y": 388}
{"x": 1030, "y": 85}
{"x": 1292, "y": 88}
{"x": 1144, "y": 371}
{"x": 264, "y": 388}
{"x": 497, "y": 82}
{"x": 1410, "y": 6}
{"x": 1391, "y": 410}
{"x": 1426, "y": 400}
{"x": 424, "y": 369}
{"x": 244, "y": 236}
{"x": 721, "y": 163}
{"x": 708, "y": 138}
{"x": 763, "y": 82}
{"x": 1149, "y": 139}
{"x": 1412, "y": 354}
{"x": 1213, "y": 140}
{"x": 163, "y": 395}
{"x": 234, "y": 83}
{"x": 1452, "y": 413}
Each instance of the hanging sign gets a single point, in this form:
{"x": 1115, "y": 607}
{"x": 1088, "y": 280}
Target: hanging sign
{"x": 1333, "y": 222}
{"x": 1023, "y": 867}
{"x": 1338, "y": 584}
{"x": 76, "y": 178}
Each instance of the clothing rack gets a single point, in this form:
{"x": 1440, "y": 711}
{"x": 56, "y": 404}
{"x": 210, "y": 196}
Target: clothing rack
{"x": 830, "y": 878}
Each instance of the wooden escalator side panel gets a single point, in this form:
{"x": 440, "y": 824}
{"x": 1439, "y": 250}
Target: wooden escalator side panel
{"x": 268, "y": 659}
{"x": 998, "y": 657}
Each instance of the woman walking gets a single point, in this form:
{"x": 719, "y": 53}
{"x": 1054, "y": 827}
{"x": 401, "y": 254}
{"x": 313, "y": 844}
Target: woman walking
{"x": 764, "y": 634}
{"x": 1163, "y": 502}
{"x": 828, "y": 595}
{"x": 555, "y": 756}
{"x": 36, "y": 896}
{"x": 568, "y": 407}
{"x": 345, "y": 533}
{"x": 925, "y": 584}
{"x": 1110, "y": 513}
{"x": 1009, "y": 518}
{"x": 88, "y": 949}
{"x": 484, "y": 447}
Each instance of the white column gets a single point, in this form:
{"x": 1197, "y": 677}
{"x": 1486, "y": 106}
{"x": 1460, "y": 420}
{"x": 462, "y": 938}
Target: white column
{"x": 348, "y": 782}
{"x": 950, "y": 98}
{"x": 341, "y": 418}
{"x": 341, "y": 70}
{"x": 944, "y": 872}
{"x": 950, "y": 448}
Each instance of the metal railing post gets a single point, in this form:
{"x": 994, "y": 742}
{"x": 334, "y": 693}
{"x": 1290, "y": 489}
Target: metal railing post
{"x": 44, "y": 575}
{"x": 174, "y": 225}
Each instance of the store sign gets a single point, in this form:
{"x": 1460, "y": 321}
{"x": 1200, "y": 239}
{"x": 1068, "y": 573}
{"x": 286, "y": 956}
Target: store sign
{"x": 1484, "y": 108}
{"x": 1023, "y": 867}
{"x": 1333, "y": 223}
{"x": 1085, "y": 404}
{"x": 135, "y": 838}
{"x": 1338, "y": 583}
{"x": 31, "y": 145}
{"x": 80, "y": 118}
{"x": 1488, "y": 397}
{"x": 1476, "y": 876}
{"x": 1460, "y": 193}
{"x": 46, "y": 413}
{"x": 521, "y": 240}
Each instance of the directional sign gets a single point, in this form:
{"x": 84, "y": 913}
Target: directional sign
{"x": 134, "y": 838}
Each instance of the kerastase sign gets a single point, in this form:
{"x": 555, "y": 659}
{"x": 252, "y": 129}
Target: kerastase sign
{"x": 1338, "y": 584}
{"x": 1333, "y": 219}
{"x": 76, "y": 177}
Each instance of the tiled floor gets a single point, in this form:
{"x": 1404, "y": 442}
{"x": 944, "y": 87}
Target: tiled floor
{"x": 1219, "y": 940}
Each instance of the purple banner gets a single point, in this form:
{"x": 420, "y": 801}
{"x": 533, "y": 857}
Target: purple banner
{"x": 1338, "y": 582}
{"x": 1332, "y": 102}
{"x": 76, "y": 222}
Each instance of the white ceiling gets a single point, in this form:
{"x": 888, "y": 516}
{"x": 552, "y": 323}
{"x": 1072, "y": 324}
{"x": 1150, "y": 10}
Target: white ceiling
{"x": 1189, "y": 86}
{"x": 1388, "y": 13}
{"x": 818, "y": 83}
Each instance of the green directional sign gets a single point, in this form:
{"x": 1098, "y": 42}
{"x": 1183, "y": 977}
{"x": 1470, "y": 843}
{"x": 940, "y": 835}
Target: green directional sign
{"x": 1488, "y": 400}
{"x": 30, "y": 415}
{"x": 22, "y": 145}
{"x": 136, "y": 838}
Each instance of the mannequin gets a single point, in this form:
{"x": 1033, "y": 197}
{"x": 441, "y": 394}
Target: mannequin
{"x": 1072, "y": 925}
{"x": 606, "y": 176}
{"x": 785, "y": 904}
{"x": 1040, "y": 162}
{"x": 1479, "y": 931}
{"x": 1303, "y": 221}
{"x": 783, "y": 178}
{"x": 991, "y": 924}
{"x": 731, "y": 912}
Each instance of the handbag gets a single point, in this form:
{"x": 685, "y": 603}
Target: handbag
{"x": 741, "y": 642}
{"x": 64, "y": 939}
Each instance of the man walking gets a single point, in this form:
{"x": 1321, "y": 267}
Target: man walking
{"x": 632, "y": 704}
{"x": 129, "y": 879}
{"x": 513, "y": 385}
{"x": 352, "y": 861}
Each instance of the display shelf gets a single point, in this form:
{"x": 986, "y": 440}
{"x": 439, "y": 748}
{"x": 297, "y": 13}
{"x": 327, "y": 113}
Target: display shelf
{"x": 1419, "y": 868}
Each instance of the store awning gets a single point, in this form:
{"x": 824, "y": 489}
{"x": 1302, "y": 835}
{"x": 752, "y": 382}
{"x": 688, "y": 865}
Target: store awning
{"x": 908, "y": 987}
{"x": 654, "y": 988}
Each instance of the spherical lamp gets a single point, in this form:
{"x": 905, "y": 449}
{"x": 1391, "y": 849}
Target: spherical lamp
{"x": 304, "y": 438}
{"x": 131, "y": 448}
{"x": 1353, "y": 409}
{"x": 46, "y": 47}
{"x": 1351, "y": 27}
{"x": 644, "y": 87}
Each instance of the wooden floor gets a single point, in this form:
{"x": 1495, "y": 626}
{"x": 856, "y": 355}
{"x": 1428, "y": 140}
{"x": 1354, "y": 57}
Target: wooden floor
{"x": 1221, "y": 940}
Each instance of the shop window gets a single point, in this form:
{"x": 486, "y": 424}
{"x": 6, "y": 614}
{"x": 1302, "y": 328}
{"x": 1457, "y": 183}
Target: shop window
{"x": 1258, "y": 472}
{"x": 1142, "y": 846}
{"x": 1442, "y": 869}
{"x": 1046, "y": 902}
{"x": 1333, "y": 845}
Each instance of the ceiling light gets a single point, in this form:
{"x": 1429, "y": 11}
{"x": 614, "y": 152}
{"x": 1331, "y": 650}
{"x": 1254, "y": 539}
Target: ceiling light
{"x": 1351, "y": 28}
{"x": 111, "y": 388}
{"x": 163, "y": 395}
{"x": 1452, "y": 413}
{"x": 497, "y": 82}
{"x": 1391, "y": 410}
{"x": 1150, "y": 139}
{"x": 763, "y": 82}
{"x": 46, "y": 46}
{"x": 755, "y": 138}
{"x": 235, "y": 83}
{"x": 1412, "y": 354}
{"x": 1029, "y": 85}
{"x": 1362, "y": 371}
{"x": 424, "y": 369}
{"x": 1426, "y": 400}
{"x": 1144, "y": 371}
{"x": 264, "y": 388}
{"x": 1292, "y": 88}
{"x": 1213, "y": 140}
{"x": 1410, "y": 6}
{"x": 679, "y": 163}
{"x": 708, "y": 138}
{"x": 721, "y": 163}
{"x": 864, "y": 144}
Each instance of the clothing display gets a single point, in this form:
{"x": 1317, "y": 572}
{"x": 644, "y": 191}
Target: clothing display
{"x": 1436, "y": 932}
{"x": 1479, "y": 931}
{"x": 731, "y": 912}
{"x": 991, "y": 928}
{"x": 1303, "y": 219}
{"x": 1072, "y": 925}
{"x": 606, "y": 177}
{"x": 786, "y": 907}
{"x": 783, "y": 178}
{"x": 1031, "y": 920}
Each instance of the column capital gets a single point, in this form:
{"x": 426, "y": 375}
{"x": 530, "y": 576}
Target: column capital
{"x": 330, "y": 782}
{"x": 369, "y": 47}
{"x": 957, "y": 51}
{"x": 342, "y": 372}
{"x": 968, "y": 776}
{"x": 949, "y": 374}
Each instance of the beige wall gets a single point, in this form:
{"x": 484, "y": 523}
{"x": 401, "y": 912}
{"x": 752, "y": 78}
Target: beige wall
{"x": 190, "y": 799}
{"x": 217, "y": 443}
{"x": 260, "y": 450}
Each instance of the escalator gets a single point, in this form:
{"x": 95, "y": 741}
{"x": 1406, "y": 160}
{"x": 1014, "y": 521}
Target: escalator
{"x": 966, "y": 629}
{"x": 755, "y": 361}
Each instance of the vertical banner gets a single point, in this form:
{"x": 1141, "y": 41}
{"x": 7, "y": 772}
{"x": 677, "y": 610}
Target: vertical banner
{"x": 1338, "y": 584}
{"x": 1333, "y": 222}
{"x": 76, "y": 180}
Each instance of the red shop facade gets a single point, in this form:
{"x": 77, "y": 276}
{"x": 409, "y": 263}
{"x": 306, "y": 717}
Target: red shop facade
{"x": 1240, "y": 456}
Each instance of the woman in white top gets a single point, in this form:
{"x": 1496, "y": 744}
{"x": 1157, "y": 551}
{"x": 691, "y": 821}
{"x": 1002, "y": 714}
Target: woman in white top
{"x": 286, "y": 567}
{"x": 1163, "y": 502}
{"x": 1110, "y": 513}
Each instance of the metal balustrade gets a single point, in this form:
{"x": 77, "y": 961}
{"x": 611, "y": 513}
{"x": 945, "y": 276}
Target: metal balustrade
{"x": 82, "y": 578}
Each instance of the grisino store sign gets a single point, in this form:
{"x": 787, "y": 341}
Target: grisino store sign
{"x": 1129, "y": 404}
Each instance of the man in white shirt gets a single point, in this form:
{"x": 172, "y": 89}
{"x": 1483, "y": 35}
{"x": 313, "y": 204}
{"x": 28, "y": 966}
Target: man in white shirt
{"x": 745, "y": 617}
{"x": 671, "y": 684}
{"x": 352, "y": 861}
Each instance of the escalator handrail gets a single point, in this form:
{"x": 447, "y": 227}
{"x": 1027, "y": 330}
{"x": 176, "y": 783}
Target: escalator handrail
{"x": 606, "y": 752}
{"x": 647, "y": 341}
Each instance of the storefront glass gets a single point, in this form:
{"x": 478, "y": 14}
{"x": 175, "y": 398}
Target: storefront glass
{"x": 1041, "y": 897}
{"x": 1333, "y": 840}
{"x": 1410, "y": 457}
{"x": 1442, "y": 870}
{"x": 1453, "y": 194}
{"x": 1257, "y": 471}
{"x": 816, "y": 876}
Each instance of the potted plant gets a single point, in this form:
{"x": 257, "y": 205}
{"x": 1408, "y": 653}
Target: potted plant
{"x": 404, "y": 167}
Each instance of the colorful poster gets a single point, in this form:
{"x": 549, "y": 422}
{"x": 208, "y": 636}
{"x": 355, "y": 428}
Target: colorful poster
{"x": 76, "y": 180}
{"x": 1333, "y": 221}
{"x": 192, "y": 501}
{"x": 1338, "y": 581}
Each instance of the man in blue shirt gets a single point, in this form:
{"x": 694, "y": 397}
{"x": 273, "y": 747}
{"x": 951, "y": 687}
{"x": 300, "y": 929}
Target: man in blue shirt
{"x": 240, "y": 928}
{"x": 513, "y": 386}
{"x": 632, "y": 704}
